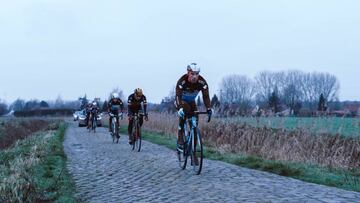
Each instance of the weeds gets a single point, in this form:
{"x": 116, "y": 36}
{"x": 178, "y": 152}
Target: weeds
{"x": 34, "y": 169}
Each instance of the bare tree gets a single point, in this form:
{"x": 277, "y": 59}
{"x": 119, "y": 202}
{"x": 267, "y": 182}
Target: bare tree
{"x": 315, "y": 84}
{"x": 267, "y": 82}
{"x": 3, "y": 108}
{"x": 17, "y": 105}
{"x": 292, "y": 93}
{"x": 59, "y": 103}
{"x": 237, "y": 89}
{"x": 168, "y": 103}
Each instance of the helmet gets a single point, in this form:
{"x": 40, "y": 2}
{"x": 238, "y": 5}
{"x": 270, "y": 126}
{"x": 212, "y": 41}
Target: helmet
{"x": 138, "y": 92}
{"x": 94, "y": 104}
{"x": 193, "y": 67}
{"x": 114, "y": 95}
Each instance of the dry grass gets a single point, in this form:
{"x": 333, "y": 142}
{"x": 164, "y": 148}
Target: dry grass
{"x": 17, "y": 183}
{"x": 34, "y": 169}
{"x": 17, "y": 129}
{"x": 298, "y": 145}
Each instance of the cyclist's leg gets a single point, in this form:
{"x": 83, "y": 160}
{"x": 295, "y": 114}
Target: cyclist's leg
{"x": 87, "y": 119}
{"x": 194, "y": 108}
{"x": 117, "y": 121}
{"x": 110, "y": 125}
{"x": 130, "y": 126}
{"x": 95, "y": 119}
{"x": 181, "y": 130}
{"x": 141, "y": 120}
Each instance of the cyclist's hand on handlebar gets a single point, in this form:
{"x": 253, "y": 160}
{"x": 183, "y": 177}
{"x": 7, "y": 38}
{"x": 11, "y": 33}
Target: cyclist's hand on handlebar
{"x": 181, "y": 113}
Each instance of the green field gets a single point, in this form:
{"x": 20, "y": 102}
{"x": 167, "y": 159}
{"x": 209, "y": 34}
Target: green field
{"x": 333, "y": 125}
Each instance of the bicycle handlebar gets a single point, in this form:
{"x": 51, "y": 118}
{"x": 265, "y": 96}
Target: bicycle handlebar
{"x": 202, "y": 113}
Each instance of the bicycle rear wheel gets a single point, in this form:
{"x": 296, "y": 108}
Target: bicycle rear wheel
{"x": 197, "y": 155}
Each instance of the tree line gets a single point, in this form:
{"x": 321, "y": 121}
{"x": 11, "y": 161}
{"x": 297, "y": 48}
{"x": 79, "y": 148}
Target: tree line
{"x": 273, "y": 90}
{"x": 296, "y": 92}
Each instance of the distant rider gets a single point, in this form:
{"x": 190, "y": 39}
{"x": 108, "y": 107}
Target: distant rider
{"x": 116, "y": 107}
{"x": 134, "y": 106}
{"x": 93, "y": 112}
{"x": 88, "y": 111}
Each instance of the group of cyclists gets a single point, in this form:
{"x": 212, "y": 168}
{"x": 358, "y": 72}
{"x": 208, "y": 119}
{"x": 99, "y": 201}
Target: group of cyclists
{"x": 187, "y": 89}
{"x": 136, "y": 103}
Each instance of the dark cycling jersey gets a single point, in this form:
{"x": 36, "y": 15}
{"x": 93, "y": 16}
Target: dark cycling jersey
{"x": 187, "y": 92}
{"x": 115, "y": 105}
{"x": 135, "y": 105}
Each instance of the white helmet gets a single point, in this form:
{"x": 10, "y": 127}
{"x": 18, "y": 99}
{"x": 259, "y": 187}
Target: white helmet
{"x": 94, "y": 104}
{"x": 193, "y": 67}
{"x": 115, "y": 95}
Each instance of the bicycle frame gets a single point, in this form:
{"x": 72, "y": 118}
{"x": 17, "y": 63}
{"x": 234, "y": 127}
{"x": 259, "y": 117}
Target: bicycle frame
{"x": 192, "y": 149}
{"x": 189, "y": 134}
{"x": 93, "y": 124}
{"x": 136, "y": 131}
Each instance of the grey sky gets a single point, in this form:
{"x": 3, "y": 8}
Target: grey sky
{"x": 69, "y": 48}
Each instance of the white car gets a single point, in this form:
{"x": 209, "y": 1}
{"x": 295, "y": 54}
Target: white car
{"x": 76, "y": 115}
{"x": 82, "y": 119}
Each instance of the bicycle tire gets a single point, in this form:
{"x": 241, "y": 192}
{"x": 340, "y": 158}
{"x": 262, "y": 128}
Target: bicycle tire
{"x": 199, "y": 154}
{"x": 133, "y": 139}
{"x": 138, "y": 139}
{"x": 187, "y": 150}
{"x": 116, "y": 131}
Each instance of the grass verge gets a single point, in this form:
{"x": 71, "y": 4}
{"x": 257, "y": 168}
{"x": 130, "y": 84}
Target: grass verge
{"x": 34, "y": 170}
{"x": 340, "y": 178}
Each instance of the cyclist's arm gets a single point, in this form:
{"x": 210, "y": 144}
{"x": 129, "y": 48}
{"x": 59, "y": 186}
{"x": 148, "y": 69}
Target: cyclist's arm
{"x": 179, "y": 91}
{"x": 129, "y": 104}
{"x": 145, "y": 104}
{"x": 121, "y": 106}
{"x": 205, "y": 93}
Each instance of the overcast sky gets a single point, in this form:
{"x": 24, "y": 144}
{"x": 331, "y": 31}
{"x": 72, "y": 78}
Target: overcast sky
{"x": 69, "y": 48}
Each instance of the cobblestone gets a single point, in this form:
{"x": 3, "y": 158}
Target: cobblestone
{"x": 107, "y": 172}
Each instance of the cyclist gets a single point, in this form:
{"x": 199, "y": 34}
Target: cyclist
{"x": 187, "y": 89}
{"x": 114, "y": 106}
{"x": 134, "y": 106}
{"x": 93, "y": 112}
{"x": 88, "y": 111}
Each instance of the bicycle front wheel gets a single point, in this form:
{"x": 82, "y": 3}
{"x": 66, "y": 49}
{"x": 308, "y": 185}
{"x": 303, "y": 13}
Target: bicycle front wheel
{"x": 183, "y": 154}
{"x": 136, "y": 139}
{"x": 197, "y": 154}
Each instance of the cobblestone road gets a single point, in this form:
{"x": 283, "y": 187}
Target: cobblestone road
{"x": 107, "y": 172}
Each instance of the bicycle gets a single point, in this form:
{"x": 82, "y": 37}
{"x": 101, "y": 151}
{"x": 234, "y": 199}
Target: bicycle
{"x": 115, "y": 127}
{"x": 136, "y": 132}
{"x": 192, "y": 149}
{"x": 92, "y": 125}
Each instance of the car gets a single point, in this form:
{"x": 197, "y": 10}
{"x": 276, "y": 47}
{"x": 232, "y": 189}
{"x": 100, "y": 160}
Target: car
{"x": 82, "y": 119}
{"x": 76, "y": 115}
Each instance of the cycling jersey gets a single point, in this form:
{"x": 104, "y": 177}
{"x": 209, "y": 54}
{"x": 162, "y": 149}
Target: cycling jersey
{"x": 187, "y": 92}
{"x": 115, "y": 105}
{"x": 135, "y": 105}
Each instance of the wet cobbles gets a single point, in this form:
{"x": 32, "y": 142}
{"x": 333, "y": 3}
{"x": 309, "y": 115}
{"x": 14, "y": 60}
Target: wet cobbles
{"x": 107, "y": 172}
